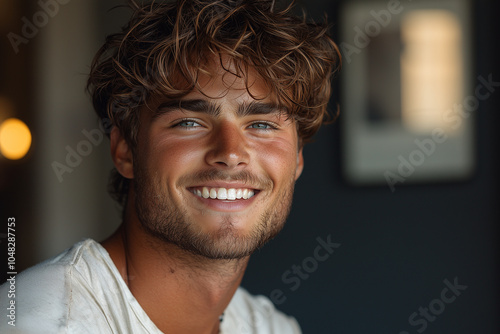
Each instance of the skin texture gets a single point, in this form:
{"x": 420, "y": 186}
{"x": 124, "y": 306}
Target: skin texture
{"x": 176, "y": 246}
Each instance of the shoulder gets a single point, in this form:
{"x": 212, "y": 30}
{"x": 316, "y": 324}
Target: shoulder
{"x": 256, "y": 314}
{"x": 40, "y": 297}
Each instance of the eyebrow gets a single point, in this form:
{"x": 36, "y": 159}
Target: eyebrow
{"x": 201, "y": 106}
{"x": 259, "y": 108}
{"x": 213, "y": 109}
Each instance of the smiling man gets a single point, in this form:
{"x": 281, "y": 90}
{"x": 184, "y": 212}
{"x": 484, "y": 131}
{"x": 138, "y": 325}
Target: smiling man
{"x": 214, "y": 170}
{"x": 210, "y": 103}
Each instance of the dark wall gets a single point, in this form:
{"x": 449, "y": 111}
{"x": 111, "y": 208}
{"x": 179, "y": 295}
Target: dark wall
{"x": 16, "y": 177}
{"x": 396, "y": 249}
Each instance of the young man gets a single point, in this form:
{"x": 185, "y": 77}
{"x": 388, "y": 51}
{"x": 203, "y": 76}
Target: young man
{"x": 210, "y": 104}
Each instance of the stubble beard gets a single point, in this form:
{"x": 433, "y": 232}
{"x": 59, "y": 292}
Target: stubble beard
{"x": 169, "y": 223}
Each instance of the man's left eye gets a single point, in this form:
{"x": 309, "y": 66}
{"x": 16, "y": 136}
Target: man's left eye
{"x": 261, "y": 126}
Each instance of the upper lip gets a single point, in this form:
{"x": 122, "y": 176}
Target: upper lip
{"x": 224, "y": 184}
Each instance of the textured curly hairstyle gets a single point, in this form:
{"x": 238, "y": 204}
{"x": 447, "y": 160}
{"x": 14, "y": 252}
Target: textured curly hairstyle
{"x": 165, "y": 46}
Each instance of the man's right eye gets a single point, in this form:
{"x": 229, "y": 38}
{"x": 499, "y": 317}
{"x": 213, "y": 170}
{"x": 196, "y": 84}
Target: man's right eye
{"x": 187, "y": 124}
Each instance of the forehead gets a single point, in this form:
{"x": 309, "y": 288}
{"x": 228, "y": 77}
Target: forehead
{"x": 223, "y": 76}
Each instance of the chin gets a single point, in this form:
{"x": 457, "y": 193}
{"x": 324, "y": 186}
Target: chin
{"x": 223, "y": 241}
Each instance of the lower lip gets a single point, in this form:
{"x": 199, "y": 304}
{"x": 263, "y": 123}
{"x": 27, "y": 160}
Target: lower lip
{"x": 226, "y": 205}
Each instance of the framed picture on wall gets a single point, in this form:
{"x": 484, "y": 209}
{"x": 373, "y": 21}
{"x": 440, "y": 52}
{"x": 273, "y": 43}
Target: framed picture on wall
{"x": 408, "y": 91}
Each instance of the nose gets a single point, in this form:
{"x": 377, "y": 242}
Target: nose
{"x": 229, "y": 147}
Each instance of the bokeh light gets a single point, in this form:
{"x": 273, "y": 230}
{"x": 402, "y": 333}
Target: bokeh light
{"x": 15, "y": 139}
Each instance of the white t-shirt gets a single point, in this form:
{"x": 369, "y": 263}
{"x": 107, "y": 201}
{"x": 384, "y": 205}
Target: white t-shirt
{"x": 81, "y": 291}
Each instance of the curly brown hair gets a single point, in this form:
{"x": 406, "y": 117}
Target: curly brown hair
{"x": 165, "y": 42}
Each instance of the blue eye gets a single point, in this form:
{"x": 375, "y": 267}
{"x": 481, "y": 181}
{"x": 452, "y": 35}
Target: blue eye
{"x": 188, "y": 124}
{"x": 261, "y": 126}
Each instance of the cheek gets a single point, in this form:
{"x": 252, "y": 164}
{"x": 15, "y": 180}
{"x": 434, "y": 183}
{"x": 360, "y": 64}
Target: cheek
{"x": 167, "y": 156}
{"x": 279, "y": 158}
{"x": 183, "y": 153}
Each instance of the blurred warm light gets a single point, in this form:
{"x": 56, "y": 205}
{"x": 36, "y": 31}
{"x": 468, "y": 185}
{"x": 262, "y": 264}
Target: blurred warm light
{"x": 15, "y": 139}
{"x": 431, "y": 68}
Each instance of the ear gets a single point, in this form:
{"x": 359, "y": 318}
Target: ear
{"x": 121, "y": 154}
{"x": 300, "y": 164}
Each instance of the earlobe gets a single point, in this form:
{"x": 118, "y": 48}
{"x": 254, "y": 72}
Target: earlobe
{"x": 300, "y": 165}
{"x": 121, "y": 154}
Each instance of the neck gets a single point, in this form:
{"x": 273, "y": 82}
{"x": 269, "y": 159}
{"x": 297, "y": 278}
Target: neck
{"x": 181, "y": 292}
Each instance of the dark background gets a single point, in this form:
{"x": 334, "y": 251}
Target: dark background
{"x": 396, "y": 249}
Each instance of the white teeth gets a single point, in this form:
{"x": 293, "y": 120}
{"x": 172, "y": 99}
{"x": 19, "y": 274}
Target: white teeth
{"x": 223, "y": 193}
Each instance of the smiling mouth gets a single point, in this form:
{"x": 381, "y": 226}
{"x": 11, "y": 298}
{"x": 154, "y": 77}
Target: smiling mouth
{"x": 227, "y": 194}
